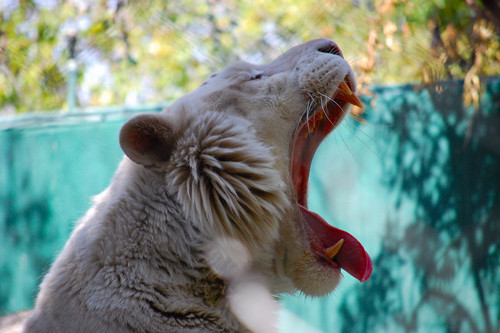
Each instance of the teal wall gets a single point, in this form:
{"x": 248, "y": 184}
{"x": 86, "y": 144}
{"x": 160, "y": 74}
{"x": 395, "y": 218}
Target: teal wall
{"x": 47, "y": 175}
{"x": 418, "y": 183}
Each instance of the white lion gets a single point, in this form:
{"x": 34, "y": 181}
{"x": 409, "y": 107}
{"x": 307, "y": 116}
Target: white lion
{"x": 210, "y": 199}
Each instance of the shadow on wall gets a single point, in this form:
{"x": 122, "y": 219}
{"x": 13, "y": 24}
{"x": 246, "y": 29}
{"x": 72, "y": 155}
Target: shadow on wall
{"x": 439, "y": 270}
{"x": 25, "y": 235}
{"x": 46, "y": 183}
{"x": 26, "y": 208}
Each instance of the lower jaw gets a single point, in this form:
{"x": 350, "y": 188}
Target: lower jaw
{"x": 317, "y": 279}
{"x": 304, "y": 260}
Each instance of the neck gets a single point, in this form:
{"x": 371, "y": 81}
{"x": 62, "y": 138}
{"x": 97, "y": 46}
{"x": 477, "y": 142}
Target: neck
{"x": 137, "y": 261}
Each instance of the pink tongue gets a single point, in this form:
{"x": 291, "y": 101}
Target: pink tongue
{"x": 352, "y": 257}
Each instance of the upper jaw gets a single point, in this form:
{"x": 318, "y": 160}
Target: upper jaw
{"x": 331, "y": 103}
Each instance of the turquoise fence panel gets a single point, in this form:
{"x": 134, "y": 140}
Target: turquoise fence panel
{"x": 418, "y": 183}
{"x": 47, "y": 177}
{"x": 51, "y": 165}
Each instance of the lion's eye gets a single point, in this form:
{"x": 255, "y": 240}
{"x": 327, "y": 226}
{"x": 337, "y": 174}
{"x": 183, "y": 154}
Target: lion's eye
{"x": 257, "y": 76}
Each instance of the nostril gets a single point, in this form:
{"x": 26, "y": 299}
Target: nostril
{"x": 331, "y": 48}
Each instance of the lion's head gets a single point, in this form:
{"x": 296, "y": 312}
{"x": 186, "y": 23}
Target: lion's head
{"x": 236, "y": 155}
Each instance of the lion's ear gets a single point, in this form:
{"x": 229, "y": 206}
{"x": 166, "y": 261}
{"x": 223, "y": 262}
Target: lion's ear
{"x": 147, "y": 139}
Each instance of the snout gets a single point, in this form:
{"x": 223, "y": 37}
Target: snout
{"x": 288, "y": 60}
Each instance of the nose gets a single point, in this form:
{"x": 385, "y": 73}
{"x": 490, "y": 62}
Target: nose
{"x": 328, "y": 46}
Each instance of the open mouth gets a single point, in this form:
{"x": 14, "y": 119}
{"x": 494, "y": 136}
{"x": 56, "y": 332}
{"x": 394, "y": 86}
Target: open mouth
{"x": 331, "y": 245}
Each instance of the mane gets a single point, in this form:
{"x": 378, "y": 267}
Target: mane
{"x": 226, "y": 178}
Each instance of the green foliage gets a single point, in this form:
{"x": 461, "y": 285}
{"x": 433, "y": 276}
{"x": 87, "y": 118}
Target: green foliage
{"x": 152, "y": 51}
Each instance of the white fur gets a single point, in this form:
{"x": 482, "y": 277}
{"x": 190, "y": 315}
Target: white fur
{"x": 212, "y": 168}
{"x": 231, "y": 182}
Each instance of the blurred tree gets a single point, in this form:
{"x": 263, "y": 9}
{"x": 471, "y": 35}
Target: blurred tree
{"x": 150, "y": 51}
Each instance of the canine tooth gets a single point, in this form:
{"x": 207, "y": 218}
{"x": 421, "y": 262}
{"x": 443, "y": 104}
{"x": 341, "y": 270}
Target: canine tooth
{"x": 332, "y": 251}
{"x": 355, "y": 101}
{"x": 345, "y": 88}
{"x": 310, "y": 128}
{"x": 344, "y": 93}
{"x": 311, "y": 125}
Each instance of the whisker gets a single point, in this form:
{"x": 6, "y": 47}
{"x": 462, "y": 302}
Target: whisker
{"x": 369, "y": 137}
{"x": 307, "y": 117}
{"x": 348, "y": 121}
{"x": 310, "y": 106}
{"x": 305, "y": 114}
{"x": 307, "y": 122}
{"x": 338, "y": 134}
{"x": 358, "y": 117}
{"x": 328, "y": 118}
{"x": 332, "y": 100}
{"x": 348, "y": 125}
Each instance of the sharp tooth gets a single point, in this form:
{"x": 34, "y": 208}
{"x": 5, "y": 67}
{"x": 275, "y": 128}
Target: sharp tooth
{"x": 345, "y": 88}
{"x": 312, "y": 126}
{"x": 344, "y": 93}
{"x": 312, "y": 122}
{"x": 332, "y": 251}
